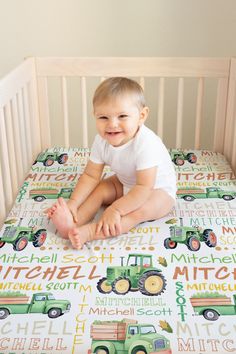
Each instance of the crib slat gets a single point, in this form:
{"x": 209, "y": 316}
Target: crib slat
{"x": 44, "y": 112}
{"x": 3, "y": 211}
{"x": 180, "y": 101}
{"x": 22, "y": 129}
{"x": 34, "y": 114}
{"x": 27, "y": 126}
{"x": 142, "y": 82}
{"x": 17, "y": 140}
{"x": 84, "y": 112}
{"x": 65, "y": 112}
{"x": 160, "y": 109}
{"x": 11, "y": 150}
{"x": 5, "y": 162}
{"x": 199, "y": 110}
{"x": 220, "y": 115}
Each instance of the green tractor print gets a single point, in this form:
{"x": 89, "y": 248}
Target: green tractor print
{"x": 20, "y": 236}
{"x": 48, "y": 157}
{"x": 179, "y": 157}
{"x": 191, "y": 236}
{"x": 137, "y": 275}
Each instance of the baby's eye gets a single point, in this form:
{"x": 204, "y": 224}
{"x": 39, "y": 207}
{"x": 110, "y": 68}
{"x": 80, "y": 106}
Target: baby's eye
{"x": 102, "y": 117}
{"x": 123, "y": 116}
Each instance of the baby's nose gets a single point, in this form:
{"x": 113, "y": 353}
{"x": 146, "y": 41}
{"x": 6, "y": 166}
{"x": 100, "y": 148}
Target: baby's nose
{"x": 113, "y": 122}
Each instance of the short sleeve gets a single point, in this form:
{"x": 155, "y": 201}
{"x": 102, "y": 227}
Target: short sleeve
{"x": 148, "y": 155}
{"x": 96, "y": 154}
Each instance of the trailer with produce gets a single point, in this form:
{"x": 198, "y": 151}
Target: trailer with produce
{"x": 44, "y": 303}
{"x": 211, "y": 308}
{"x": 189, "y": 194}
{"x": 40, "y": 194}
{"x": 127, "y": 337}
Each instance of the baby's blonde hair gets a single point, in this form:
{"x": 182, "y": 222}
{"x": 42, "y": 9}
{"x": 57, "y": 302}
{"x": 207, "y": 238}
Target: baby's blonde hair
{"x": 118, "y": 86}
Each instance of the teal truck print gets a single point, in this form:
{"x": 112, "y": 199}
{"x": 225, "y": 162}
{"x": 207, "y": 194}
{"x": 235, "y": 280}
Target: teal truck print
{"x": 189, "y": 194}
{"x": 44, "y": 303}
{"x": 137, "y": 275}
{"x": 40, "y": 194}
{"x": 179, "y": 157}
{"x": 211, "y": 308}
{"x": 19, "y": 236}
{"x": 48, "y": 157}
{"x": 191, "y": 236}
{"x": 116, "y": 337}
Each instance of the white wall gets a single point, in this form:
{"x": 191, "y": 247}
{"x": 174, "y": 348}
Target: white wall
{"x": 115, "y": 28}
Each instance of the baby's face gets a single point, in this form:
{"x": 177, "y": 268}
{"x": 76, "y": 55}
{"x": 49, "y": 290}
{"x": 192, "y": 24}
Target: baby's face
{"x": 118, "y": 120}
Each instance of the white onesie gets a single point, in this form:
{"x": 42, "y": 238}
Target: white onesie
{"x": 144, "y": 151}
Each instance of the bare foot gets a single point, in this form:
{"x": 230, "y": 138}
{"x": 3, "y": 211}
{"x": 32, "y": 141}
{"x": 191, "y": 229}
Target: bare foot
{"x": 86, "y": 233}
{"x": 62, "y": 218}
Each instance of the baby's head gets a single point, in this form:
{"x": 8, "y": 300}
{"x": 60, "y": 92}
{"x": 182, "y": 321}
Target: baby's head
{"x": 119, "y": 87}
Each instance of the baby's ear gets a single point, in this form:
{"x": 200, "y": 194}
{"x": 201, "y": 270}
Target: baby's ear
{"x": 144, "y": 114}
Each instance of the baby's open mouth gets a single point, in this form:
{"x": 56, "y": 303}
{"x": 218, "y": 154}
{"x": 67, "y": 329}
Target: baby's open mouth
{"x": 113, "y": 133}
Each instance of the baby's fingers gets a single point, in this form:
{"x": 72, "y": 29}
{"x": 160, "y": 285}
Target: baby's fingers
{"x": 99, "y": 227}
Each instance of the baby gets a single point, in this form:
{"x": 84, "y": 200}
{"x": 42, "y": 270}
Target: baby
{"x": 143, "y": 185}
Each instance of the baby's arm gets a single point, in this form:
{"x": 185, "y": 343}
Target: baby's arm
{"x": 137, "y": 196}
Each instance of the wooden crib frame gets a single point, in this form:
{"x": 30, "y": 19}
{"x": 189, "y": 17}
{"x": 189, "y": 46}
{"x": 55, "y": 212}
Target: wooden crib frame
{"x": 25, "y": 117}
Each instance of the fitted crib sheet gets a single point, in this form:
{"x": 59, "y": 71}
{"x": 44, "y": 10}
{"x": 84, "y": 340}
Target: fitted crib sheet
{"x": 166, "y": 286}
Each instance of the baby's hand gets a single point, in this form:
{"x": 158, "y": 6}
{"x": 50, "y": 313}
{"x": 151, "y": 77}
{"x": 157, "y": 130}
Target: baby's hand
{"x": 109, "y": 222}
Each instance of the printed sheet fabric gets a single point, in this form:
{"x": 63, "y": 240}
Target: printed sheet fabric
{"x": 167, "y": 286}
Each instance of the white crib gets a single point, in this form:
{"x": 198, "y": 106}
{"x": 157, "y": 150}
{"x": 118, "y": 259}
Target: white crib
{"x": 26, "y": 104}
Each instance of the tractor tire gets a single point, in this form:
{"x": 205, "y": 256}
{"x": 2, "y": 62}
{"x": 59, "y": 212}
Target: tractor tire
{"x": 4, "y": 313}
{"x": 102, "y": 287}
{"x": 169, "y": 244}
{"x": 62, "y": 159}
{"x": 2, "y": 243}
{"x": 121, "y": 286}
{"x": 211, "y": 315}
{"x": 227, "y": 197}
{"x": 54, "y": 313}
{"x": 39, "y": 238}
{"x": 191, "y": 157}
{"x": 20, "y": 243}
{"x": 48, "y": 162}
{"x": 193, "y": 243}
{"x": 152, "y": 283}
{"x": 209, "y": 238}
{"x": 178, "y": 161}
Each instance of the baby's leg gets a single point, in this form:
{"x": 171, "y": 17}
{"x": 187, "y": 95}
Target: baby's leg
{"x": 157, "y": 206}
{"x": 62, "y": 217}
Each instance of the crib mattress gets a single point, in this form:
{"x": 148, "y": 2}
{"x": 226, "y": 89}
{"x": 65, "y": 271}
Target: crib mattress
{"x": 167, "y": 286}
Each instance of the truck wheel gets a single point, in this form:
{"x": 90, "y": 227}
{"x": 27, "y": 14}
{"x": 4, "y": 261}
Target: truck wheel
{"x": 210, "y": 315}
{"x": 152, "y": 283}
{"x": 39, "y": 198}
{"x": 54, "y": 313}
{"x": 139, "y": 351}
{"x": 209, "y": 238}
{"x": 20, "y": 243}
{"x": 227, "y": 197}
{"x": 188, "y": 198}
{"x": 178, "y": 161}
{"x": 62, "y": 158}
{"x": 103, "y": 287}
{"x": 4, "y": 313}
{"x": 39, "y": 238}
{"x": 191, "y": 157}
{"x": 101, "y": 351}
{"x": 121, "y": 286}
{"x": 169, "y": 244}
{"x": 193, "y": 243}
{"x": 2, "y": 243}
{"x": 48, "y": 162}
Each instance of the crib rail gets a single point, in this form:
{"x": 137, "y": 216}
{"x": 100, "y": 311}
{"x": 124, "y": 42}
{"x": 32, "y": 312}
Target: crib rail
{"x": 27, "y": 104}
